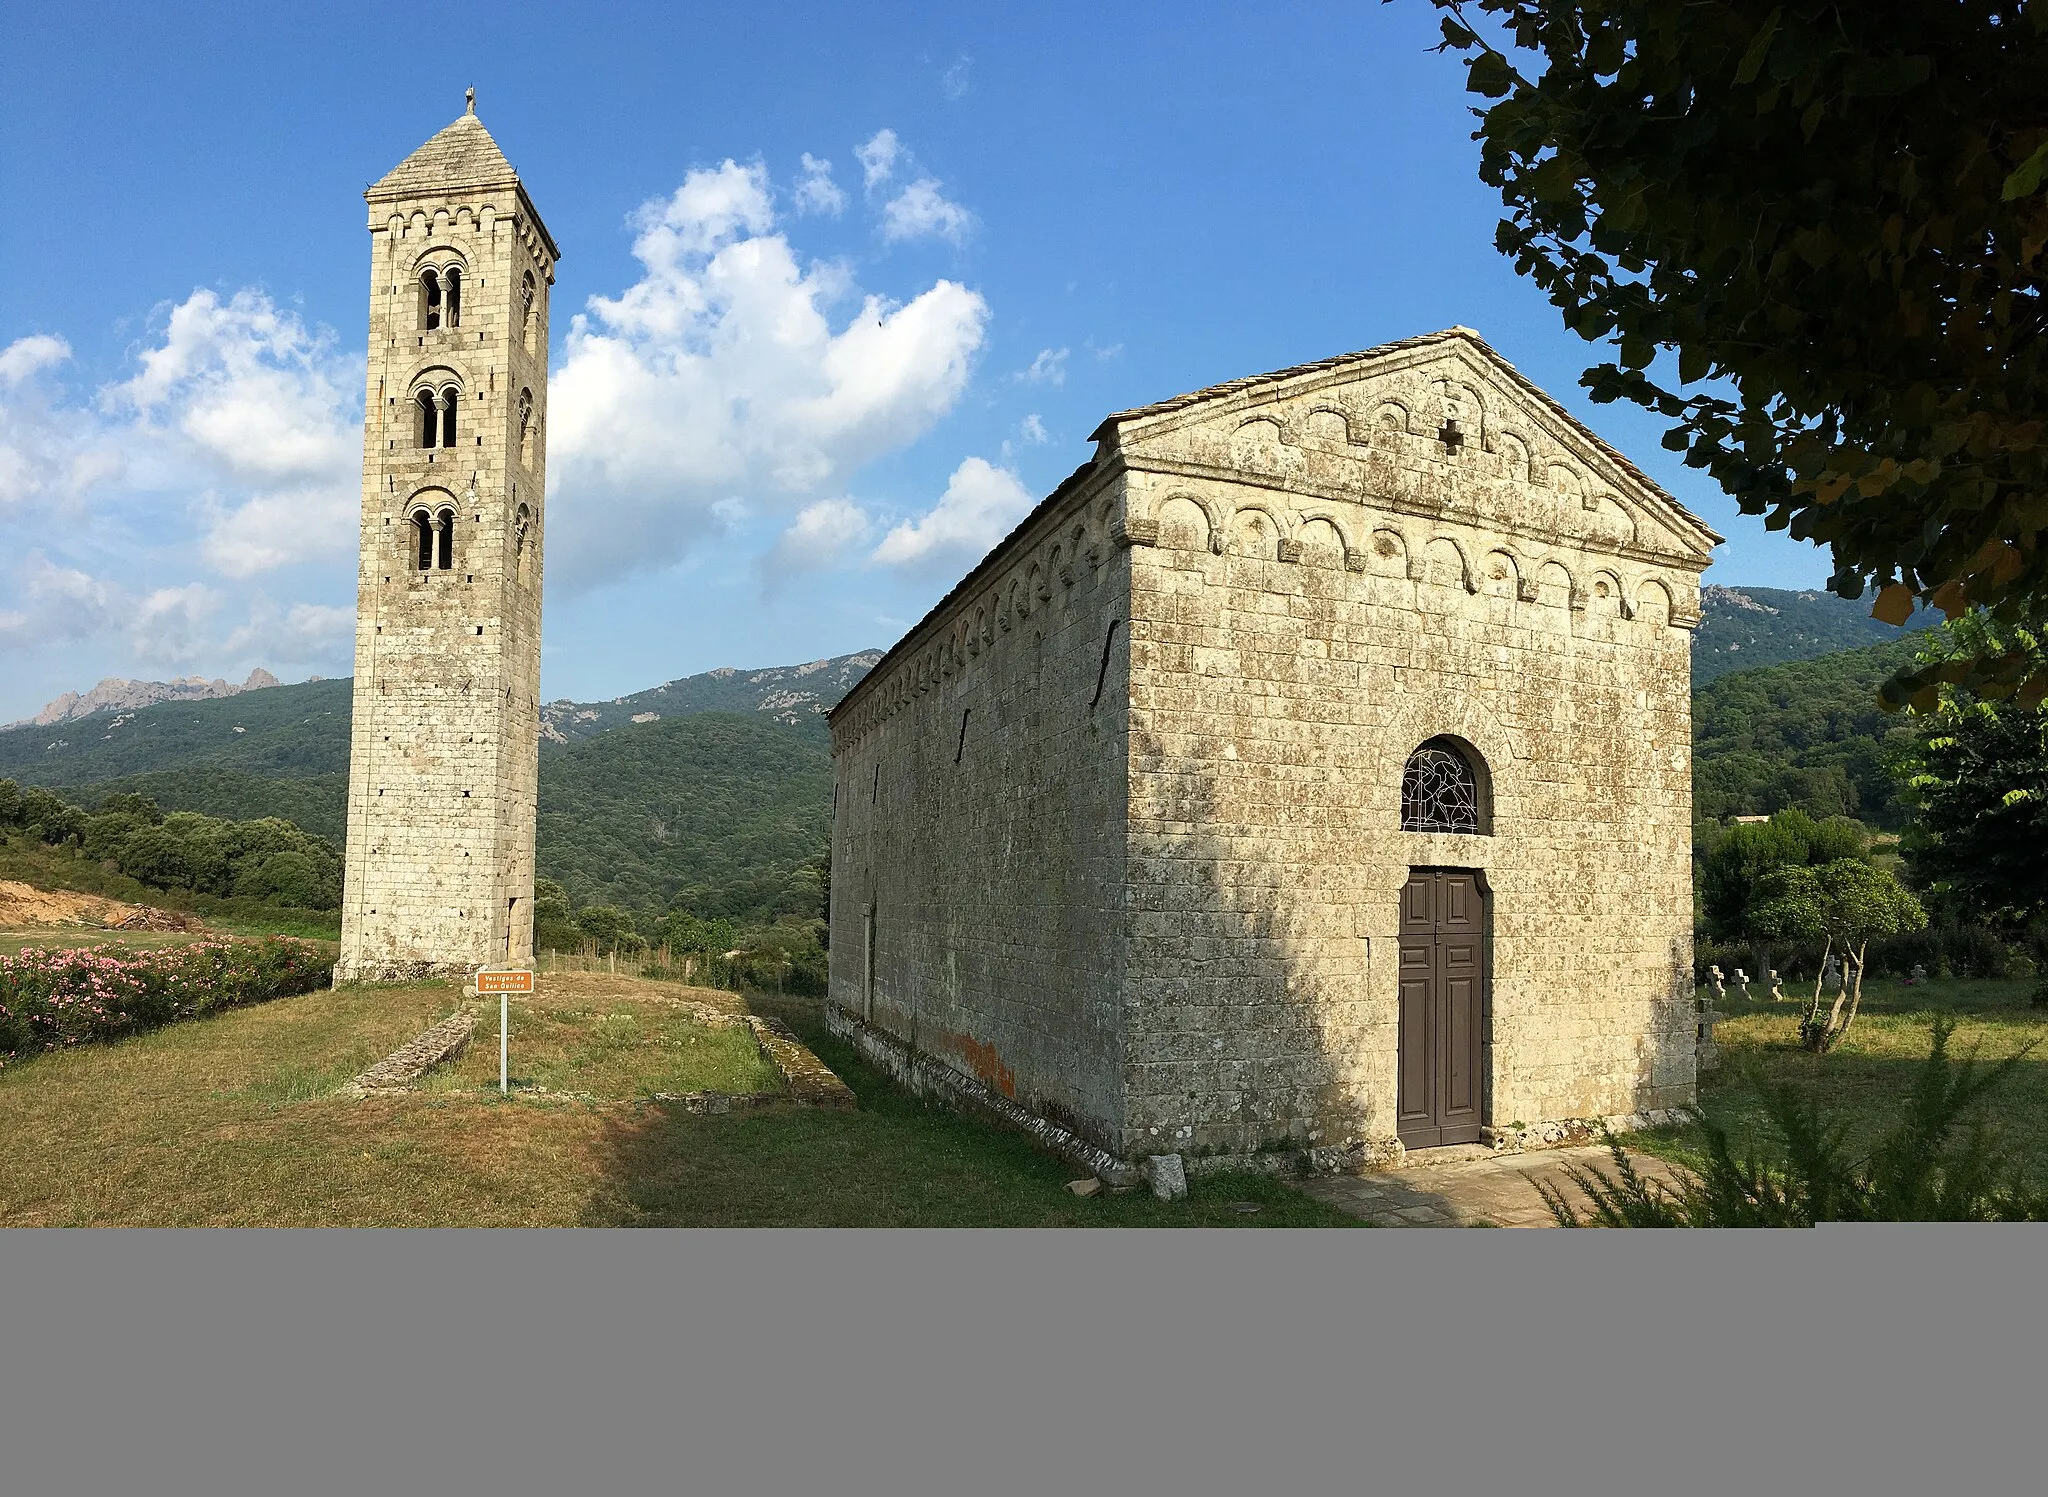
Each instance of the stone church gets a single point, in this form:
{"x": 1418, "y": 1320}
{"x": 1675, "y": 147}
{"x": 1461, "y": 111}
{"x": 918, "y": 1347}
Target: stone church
{"x": 1310, "y": 772}
{"x": 444, "y": 758}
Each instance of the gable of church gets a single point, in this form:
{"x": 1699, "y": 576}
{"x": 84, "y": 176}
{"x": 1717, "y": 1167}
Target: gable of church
{"x": 1436, "y": 426}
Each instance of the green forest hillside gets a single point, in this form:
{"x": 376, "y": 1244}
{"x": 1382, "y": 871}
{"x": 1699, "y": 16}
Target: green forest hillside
{"x": 716, "y": 811}
{"x": 1807, "y": 735}
{"x": 1743, "y": 628}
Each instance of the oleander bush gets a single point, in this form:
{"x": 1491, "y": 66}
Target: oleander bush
{"x": 52, "y": 998}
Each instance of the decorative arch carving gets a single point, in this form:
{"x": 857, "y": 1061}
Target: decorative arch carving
{"x": 1605, "y": 596}
{"x": 1514, "y": 453}
{"x": 1653, "y": 602}
{"x": 1328, "y": 426}
{"x": 1554, "y": 584}
{"x": 1500, "y": 575}
{"x": 1319, "y": 542}
{"x": 1391, "y": 415}
{"x": 1188, "y": 524}
{"x": 1255, "y": 530}
{"x": 1387, "y": 552}
{"x": 1444, "y": 564}
{"x": 1259, "y": 444}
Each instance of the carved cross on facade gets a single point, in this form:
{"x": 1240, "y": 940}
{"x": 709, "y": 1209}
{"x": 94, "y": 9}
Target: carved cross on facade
{"x": 1451, "y": 436}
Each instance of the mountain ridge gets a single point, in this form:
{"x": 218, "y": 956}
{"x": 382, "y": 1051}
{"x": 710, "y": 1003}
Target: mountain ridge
{"x": 116, "y": 693}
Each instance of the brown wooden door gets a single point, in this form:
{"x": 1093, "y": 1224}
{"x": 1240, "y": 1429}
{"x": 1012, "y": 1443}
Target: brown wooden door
{"x": 1443, "y": 1009}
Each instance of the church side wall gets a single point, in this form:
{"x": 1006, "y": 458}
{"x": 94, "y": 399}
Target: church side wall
{"x": 977, "y": 852}
{"x": 1273, "y": 705}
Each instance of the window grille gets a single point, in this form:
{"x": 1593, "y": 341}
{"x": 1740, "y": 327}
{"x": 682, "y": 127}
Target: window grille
{"x": 1439, "y": 791}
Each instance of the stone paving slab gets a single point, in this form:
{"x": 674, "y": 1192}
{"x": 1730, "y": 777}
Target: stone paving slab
{"x": 1497, "y": 1191}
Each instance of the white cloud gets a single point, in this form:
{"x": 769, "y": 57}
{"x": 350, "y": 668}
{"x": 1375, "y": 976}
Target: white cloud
{"x": 303, "y": 634}
{"x": 56, "y": 603}
{"x": 822, "y": 535}
{"x": 921, "y": 209}
{"x": 719, "y": 376}
{"x": 51, "y": 454}
{"x": 31, "y": 355}
{"x": 816, "y": 192}
{"x": 981, "y": 505}
{"x": 1034, "y": 430}
{"x": 877, "y": 157}
{"x": 1049, "y": 368}
{"x": 169, "y": 626}
{"x": 953, "y": 82}
{"x": 245, "y": 404}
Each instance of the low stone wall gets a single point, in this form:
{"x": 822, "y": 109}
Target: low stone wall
{"x": 810, "y": 1081}
{"x": 928, "y": 1077}
{"x": 397, "y": 1071}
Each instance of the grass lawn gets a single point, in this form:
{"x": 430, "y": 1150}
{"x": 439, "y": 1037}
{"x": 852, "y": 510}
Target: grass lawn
{"x": 608, "y": 1046}
{"x": 232, "y": 1121}
{"x": 1868, "y": 1073}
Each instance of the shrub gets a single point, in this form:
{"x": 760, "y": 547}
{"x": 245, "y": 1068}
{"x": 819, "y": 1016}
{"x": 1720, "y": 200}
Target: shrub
{"x": 53, "y": 998}
{"x": 1938, "y": 1162}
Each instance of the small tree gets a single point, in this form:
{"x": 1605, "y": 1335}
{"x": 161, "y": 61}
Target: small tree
{"x": 1739, "y": 859}
{"x": 1845, "y": 904}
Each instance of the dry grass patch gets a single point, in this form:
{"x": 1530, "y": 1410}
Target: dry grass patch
{"x": 232, "y": 1121}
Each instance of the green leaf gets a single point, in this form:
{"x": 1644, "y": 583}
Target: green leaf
{"x": 2026, "y": 179}
{"x": 1759, "y": 48}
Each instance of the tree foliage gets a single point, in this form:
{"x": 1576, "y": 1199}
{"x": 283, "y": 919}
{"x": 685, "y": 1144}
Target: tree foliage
{"x": 1745, "y": 856}
{"x": 1807, "y": 735}
{"x": 1977, "y": 778}
{"x": 266, "y": 859}
{"x": 1847, "y": 902}
{"x": 1834, "y": 216}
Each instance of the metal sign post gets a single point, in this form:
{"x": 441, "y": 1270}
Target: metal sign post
{"x": 504, "y": 981}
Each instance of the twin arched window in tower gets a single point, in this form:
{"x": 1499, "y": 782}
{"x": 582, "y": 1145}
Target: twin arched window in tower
{"x": 433, "y": 535}
{"x": 435, "y": 410}
{"x": 1444, "y": 788}
{"x": 440, "y": 297}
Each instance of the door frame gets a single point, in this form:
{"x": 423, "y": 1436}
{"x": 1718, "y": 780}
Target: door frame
{"x": 1485, "y": 1016}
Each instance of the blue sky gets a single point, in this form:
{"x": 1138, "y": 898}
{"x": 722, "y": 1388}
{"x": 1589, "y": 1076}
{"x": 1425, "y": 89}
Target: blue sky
{"x": 989, "y": 226}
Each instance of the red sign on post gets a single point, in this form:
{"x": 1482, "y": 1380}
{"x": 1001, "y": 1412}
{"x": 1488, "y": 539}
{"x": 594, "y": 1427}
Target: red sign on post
{"x": 504, "y": 980}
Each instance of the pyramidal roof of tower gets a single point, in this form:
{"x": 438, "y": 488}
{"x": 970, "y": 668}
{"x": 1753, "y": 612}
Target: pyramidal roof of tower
{"x": 462, "y": 157}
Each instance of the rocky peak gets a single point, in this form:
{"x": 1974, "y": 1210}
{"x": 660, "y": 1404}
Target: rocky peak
{"x": 115, "y": 694}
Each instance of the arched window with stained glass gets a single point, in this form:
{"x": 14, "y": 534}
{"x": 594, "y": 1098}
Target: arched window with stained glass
{"x": 1444, "y": 789}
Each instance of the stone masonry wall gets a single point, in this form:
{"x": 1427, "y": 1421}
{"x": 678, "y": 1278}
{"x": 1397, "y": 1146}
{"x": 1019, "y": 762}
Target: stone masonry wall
{"x": 1323, "y": 593}
{"x": 978, "y": 819}
{"x": 444, "y": 762}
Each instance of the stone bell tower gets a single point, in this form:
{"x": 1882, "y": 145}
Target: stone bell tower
{"x": 444, "y": 760}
